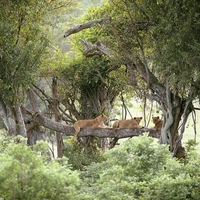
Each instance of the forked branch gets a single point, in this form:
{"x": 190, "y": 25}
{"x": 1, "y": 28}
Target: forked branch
{"x": 98, "y": 49}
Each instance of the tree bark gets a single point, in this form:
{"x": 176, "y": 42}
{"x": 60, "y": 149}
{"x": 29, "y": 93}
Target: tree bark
{"x": 114, "y": 134}
{"x": 55, "y": 108}
{"x": 3, "y": 114}
{"x": 86, "y": 25}
{"x": 32, "y": 100}
{"x": 11, "y": 120}
{"x": 20, "y": 122}
{"x": 67, "y": 130}
{"x": 34, "y": 131}
{"x": 168, "y": 119}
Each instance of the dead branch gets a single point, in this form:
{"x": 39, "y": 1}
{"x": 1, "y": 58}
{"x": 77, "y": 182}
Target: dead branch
{"x": 86, "y": 25}
{"x": 98, "y": 49}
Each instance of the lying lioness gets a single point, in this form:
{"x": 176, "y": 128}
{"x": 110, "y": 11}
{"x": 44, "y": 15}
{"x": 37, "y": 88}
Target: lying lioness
{"x": 128, "y": 123}
{"x": 98, "y": 122}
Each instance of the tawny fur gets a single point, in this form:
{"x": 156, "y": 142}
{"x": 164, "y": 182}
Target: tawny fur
{"x": 157, "y": 123}
{"x": 98, "y": 122}
{"x": 128, "y": 123}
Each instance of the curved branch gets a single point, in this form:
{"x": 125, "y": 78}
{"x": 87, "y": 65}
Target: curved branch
{"x": 187, "y": 110}
{"x": 158, "y": 90}
{"x": 86, "y": 25}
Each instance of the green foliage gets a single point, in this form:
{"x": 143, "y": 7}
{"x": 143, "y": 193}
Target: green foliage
{"x": 24, "y": 29}
{"x": 141, "y": 169}
{"x": 21, "y": 44}
{"x": 78, "y": 158}
{"x": 163, "y": 34}
{"x": 5, "y": 140}
{"x": 86, "y": 82}
{"x": 24, "y": 174}
{"x": 190, "y": 145}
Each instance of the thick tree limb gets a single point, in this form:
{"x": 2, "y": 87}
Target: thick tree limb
{"x": 158, "y": 90}
{"x": 48, "y": 123}
{"x": 101, "y": 133}
{"x": 168, "y": 119}
{"x": 187, "y": 110}
{"x": 117, "y": 133}
{"x": 86, "y": 25}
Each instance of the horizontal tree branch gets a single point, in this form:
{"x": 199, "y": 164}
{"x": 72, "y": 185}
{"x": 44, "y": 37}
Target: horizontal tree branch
{"x": 115, "y": 133}
{"x": 67, "y": 130}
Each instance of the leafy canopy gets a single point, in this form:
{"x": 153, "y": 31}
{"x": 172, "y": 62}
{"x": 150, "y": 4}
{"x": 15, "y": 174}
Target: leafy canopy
{"x": 24, "y": 33}
{"x": 162, "y": 34}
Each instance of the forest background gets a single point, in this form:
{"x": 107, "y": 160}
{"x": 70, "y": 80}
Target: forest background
{"x": 61, "y": 61}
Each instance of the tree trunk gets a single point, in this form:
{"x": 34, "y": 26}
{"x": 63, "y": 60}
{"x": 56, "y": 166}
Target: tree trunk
{"x": 34, "y": 132}
{"x": 12, "y": 130}
{"x": 176, "y": 113}
{"x": 55, "y": 108}
{"x": 172, "y": 117}
{"x": 171, "y": 104}
{"x": 21, "y": 129}
{"x": 3, "y": 114}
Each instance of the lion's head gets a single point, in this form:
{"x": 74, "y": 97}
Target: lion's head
{"x": 156, "y": 119}
{"x": 103, "y": 118}
{"x": 138, "y": 119}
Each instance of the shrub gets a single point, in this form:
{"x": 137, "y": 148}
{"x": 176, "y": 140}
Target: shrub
{"x": 24, "y": 174}
{"x": 140, "y": 168}
{"x": 78, "y": 158}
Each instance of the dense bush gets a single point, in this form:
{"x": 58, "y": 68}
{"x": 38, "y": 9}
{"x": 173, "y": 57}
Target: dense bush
{"x": 142, "y": 169}
{"x": 25, "y": 174}
{"x": 78, "y": 158}
{"x": 139, "y": 168}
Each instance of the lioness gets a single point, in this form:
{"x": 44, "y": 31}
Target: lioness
{"x": 128, "y": 123}
{"x": 98, "y": 122}
{"x": 158, "y": 123}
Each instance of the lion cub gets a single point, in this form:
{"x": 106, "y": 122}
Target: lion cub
{"x": 158, "y": 123}
{"x": 98, "y": 122}
{"x": 128, "y": 123}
